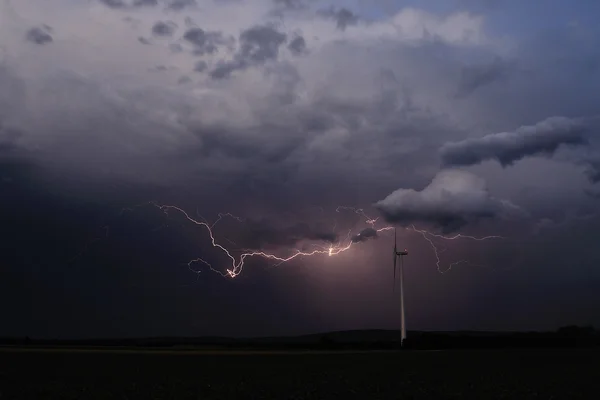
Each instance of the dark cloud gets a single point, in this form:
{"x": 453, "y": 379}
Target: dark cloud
{"x": 291, "y": 4}
{"x": 281, "y": 7}
{"x": 38, "y": 36}
{"x": 545, "y": 137}
{"x": 183, "y": 80}
{"x": 224, "y": 69}
{"x": 161, "y": 28}
{"x": 200, "y": 66}
{"x": 343, "y": 17}
{"x": 143, "y": 40}
{"x": 591, "y": 164}
{"x": 364, "y": 235}
{"x": 476, "y": 76}
{"x": 121, "y": 4}
{"x": 114, "y": 3}
{"x": 159, "y": 68}
{"x": 453, "y": 199}
{"x": 264, "y": 233}
{"x": 205, "y": 42}
{"x": 179, "y": 5}
{"x": 258, "y": 45}
{"x": 8, "y": 138}
{"x": 297, "y": 45}
{"x": 139, "y": 3}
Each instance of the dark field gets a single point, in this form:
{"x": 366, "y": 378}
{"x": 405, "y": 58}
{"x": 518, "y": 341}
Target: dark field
{"x": 168, "y": 374}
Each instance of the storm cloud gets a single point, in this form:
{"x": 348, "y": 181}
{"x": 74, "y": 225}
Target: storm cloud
{"x": 452, "y": 200}
{"x": 543, "y": 138}
{"x": 260, "y": 234}
{"x": 88, "y": 127}
{"x": 364, "y": 235}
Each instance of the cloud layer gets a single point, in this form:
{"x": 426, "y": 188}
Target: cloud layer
{"x": 452, "y": 199}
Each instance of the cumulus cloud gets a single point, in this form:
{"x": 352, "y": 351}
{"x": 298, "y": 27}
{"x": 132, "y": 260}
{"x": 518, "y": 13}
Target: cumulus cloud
{"x": 258, "y": 45}
{"x": 367, "y": 105}
{"x": 452, "y": 200}
{"x": 204, "y": 42}
{"x": 297, "y": 45}
{"x": 161, "y": 28}
{"x": 342, "y": 17}
{"x": 543, "y": 138}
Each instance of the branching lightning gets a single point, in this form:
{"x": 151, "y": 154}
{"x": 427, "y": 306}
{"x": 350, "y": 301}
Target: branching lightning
{"x": 236, "y": 264}
{"x": 427, "y": 236}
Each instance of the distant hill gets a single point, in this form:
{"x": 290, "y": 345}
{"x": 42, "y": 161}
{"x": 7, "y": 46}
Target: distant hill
{"x": 570, "y": 336}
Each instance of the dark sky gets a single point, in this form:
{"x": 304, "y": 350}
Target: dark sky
{"x": 439, "y": 120}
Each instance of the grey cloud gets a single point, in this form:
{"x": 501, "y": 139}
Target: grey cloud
{"x": 286, "y": 6}
{"x": 258, "y": 45}
{"x": 453, "y": 199}
{"x": 121, "y": 4}
{"x": 179, "y": 5}
{"x": 205, "y": 42}
{"x": 343, "y": 17}
{"x": 176, "y": 47}
{"x": 224, "y": 69}
{"x": 364, "y": 235}
{"x": 8, "y": 137}
{"x": 159, "y": 68}
{"x": 297, "y": 45}
{"x": 161, "y": 28}
{"x": 184, "y": 80}
{"x": 200, "y": 66}
{"x": 591, "y": 164}
{"x": 545, "y": 137}
{"x": 291, "y": 4}
{"x": 476, "y": 76}
{"x": 189, "y": 22}
{"x": 143, "y": 40}
{"x": 139, "y": 3}
{"x": 258, "y": 234}
{"x": 38, "y": 36}
{"x": 114, "y": 3}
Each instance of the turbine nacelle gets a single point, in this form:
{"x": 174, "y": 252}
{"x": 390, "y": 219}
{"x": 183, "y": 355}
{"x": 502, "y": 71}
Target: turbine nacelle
{"x": 402, "y": 253}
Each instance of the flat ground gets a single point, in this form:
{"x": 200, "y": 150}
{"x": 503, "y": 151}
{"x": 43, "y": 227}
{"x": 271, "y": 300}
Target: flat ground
{"x": 164, "y": 374}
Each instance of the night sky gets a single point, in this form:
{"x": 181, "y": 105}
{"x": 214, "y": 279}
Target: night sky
{"x": 478, "y": 118}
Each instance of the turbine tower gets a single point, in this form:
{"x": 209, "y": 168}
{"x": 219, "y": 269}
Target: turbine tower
{"x": 400, "y": 254}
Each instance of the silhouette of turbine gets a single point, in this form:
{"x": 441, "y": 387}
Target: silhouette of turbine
{"x": 400, "y": 254}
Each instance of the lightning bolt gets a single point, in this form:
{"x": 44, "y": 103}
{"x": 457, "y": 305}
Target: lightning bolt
{"x": 236, "y": 265}
{"x": 427, "y": 236}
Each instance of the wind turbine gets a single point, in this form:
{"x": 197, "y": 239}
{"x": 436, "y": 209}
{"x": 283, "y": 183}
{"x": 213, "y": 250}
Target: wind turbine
{"x": 400, "y": 254}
